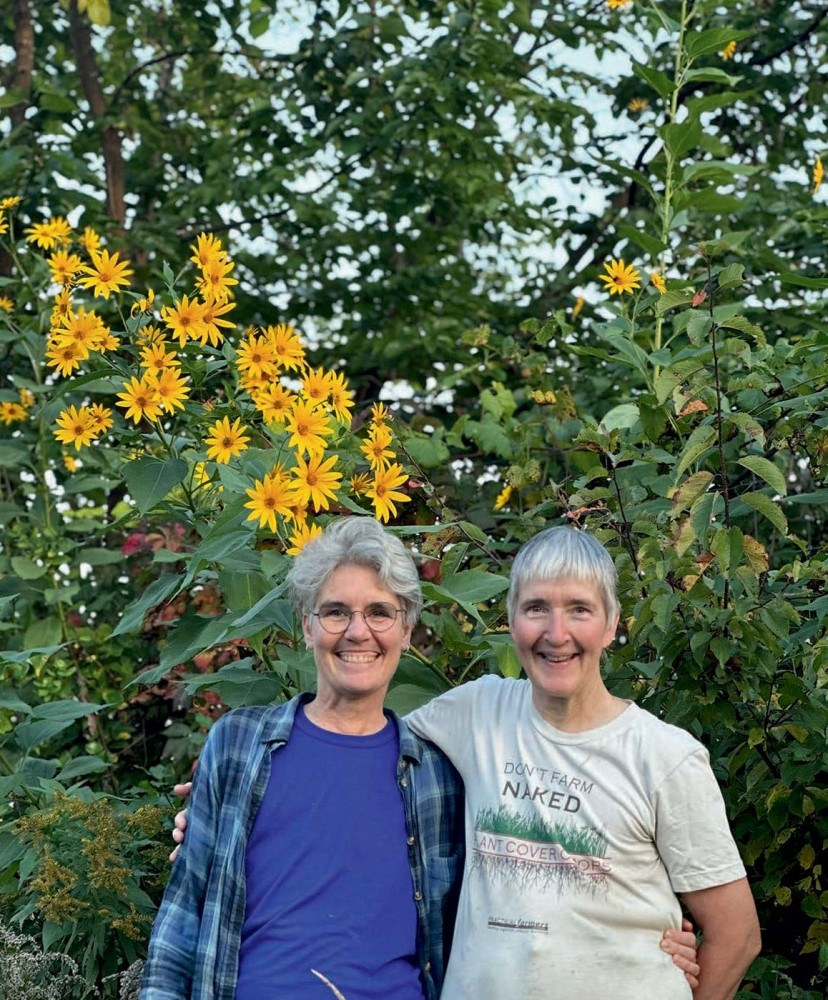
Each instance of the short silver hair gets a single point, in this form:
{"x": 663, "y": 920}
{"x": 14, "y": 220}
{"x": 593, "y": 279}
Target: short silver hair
{"x": 564, "y": 553}
{"x": 355, "y": 541}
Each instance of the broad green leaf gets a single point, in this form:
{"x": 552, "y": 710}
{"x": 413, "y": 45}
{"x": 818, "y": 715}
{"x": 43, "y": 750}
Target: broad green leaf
{"x": 101, "y": 557}
{"x": 238, "y": 684}
{"x": 768, "y": 508}
{"x": 685, "y": 495}
{"x": 474, "y": 585}
{"x": 702, "y": 43}
{"x": 405, "y": 698}
{"x": 428, "y": 451}
{"x": 78, "y": 767}
{"x": 680, "y": 138}
{"x": 802, "y": 280}
{"x": 766, "y": 470}
{"x": 712, "y": 74}
{"x": 642, "y": 239}
{"x": 731, "y": 276}
{"x": 242, "y": 590}
{"x": 157, "y": 592}
{"x": 28, "y": 569}
{"x": 697, "y": 444}
{"x": 149, "y": 480}
{"x": 659, "y": 81}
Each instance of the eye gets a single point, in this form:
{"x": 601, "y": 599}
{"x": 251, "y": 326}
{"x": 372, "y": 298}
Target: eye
{"x": 534, "y": 610}
{"x": 334, "y": 614}
{"x": 380, "y": 612}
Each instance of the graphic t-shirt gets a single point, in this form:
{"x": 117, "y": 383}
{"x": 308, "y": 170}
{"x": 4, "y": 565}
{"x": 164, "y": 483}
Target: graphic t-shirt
{"x": 576, "y": 845}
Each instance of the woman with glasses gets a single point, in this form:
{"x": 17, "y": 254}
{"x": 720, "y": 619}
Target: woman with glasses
{"x": 325, "y": 840}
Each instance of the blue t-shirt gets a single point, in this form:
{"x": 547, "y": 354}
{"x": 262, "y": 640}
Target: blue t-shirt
{"x": 327, "y": 874}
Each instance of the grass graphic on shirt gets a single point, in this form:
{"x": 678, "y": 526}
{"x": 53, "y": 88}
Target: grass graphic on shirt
{"x": 524, "y": 850}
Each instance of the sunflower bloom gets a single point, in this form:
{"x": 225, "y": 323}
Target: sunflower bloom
{"x": 8, "y": 203}
{"x": 819, "y": 173}
{"x": 62, "y": 306}
{"x": 638, "y": 104}
{"x": 384, "y": 493}
{"x": 215, "y": 281}
{"x": 380, "y": 414}
{"x": 315, "y": 482}
{"x": 140, "y": 399}
{"x": 48, "y": 235}
{"x": 657, "y": 281}
{"x": 64, "y": 266}
{"x": 148, "y": 335}
{"x": 308, "y": 428}
{"x": 503, "y": 497}
{"x": 70, "y": 464}
{"x": 82, "y": 327}
{"x": 286, "y": 346}
{"x": 359, "y": 484}
{"x": 341, "y": 398}
{"x": 207, "y": 248}
{"x": 269, "y": 497}
{"x": 255, "y": 356}
{"x": 226, "y": 440}
{"x": 213, "y": 313}
{"x": 66, "y": 355}
{"x": 155, "y": 357}
{"x": 185, "y": 319}
{"x": 729, "y": 51}
{"x": 12, "y": 413}
{"x": 618, "y": 4}
{"x": 75, "y": 426}
{"x": 26, "y": 396}
{"x": 6, "y": 304}
{"x": 303, "y": 534}
{"x": 172, "y": 388}
{"x": 377, "y": 448}
{"x": 620, "y": 277}
{"x": 106, "y": 275}
{"x": 90, "y": 241}
{"x": 274, "y": 402}
{"x": 143, "y": 305}
{"x": 100, "y": 417}
{"x": 316, "y": 385}
{"x": 580, "y": 302}
{"x": 4, "y": 223}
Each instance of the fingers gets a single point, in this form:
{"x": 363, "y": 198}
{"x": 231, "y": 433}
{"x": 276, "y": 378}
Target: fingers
{"x": 681, "y": 946}
{"x": 686, "y": 925}
{"x": 183, "y": 790}
{"x": 174, "y": 854}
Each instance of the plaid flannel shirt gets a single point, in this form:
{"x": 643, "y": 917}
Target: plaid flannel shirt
{"x": 194, "y": 948}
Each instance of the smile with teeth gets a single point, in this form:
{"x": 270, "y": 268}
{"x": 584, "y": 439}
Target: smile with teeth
{"x": 557, "y": 657}
{"x": 367, "y": 656}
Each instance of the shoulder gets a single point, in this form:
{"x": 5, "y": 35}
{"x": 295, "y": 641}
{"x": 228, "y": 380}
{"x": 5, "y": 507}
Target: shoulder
{"x": 243, "y": 725}
{"x": 663, "y": 734}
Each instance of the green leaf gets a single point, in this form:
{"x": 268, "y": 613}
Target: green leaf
{"x": 474, "y": 586}
{"x": 81, "y": 766}
{"x": 242, "y": 590}
{"x": 792, "y": 278}
{"x": 238, "y": 684}
{"x": 648, "y": 243}
{"x": 768, "y": 508}
{"x": 702, "y": 43}
{"x": 766, "y": 470}
{"x": 697, "y": 444}
{"x": 150, "y": 480}
{"x": 731, "y": 276}
{"x": 684, "y": 496}
{"x": 659, "y": 81}
{"x": 27, "y": 569}
{"x": 680, "y": 138}
{"x": 100, "y": 557}
{"x": 712, "y": 74}
{"x": 157, "y": 592}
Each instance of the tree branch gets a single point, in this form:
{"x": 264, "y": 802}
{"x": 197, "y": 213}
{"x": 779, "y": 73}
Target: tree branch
{"x": 24, "y": 58}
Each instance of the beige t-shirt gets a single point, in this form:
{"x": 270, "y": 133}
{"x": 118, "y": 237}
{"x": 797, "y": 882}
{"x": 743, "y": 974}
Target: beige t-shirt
{"x": 577, "y": 844}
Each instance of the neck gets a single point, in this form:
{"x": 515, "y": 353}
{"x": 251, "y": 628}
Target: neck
{"x": 577, "y": 717}
{"x": 349, "y": 719}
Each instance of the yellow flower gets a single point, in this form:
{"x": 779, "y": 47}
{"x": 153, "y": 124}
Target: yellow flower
{"x": 215, "y": 281}
{"x": 84, "y": 328}
{"x": 303, "y": 534}
{"x": 819, "y": 173}
{"x": 255, "y": 357}
{"x": 64, "y": 266}
{"x": 286, "y": 346}
{"x": 140, "y": 399}
{"x": 274, "y": 402}
{"x": 383, "y": 491}
{"x": 360, "y": 483}
{"x": 316, "y": 385}
{"x": 207, "y": 248}
{"x": 100, "y": 417}
{"x": 580, "y": 302}
{"x": 657, "y": 281}
{"x": 66, "y": 355}
{"x": 380, "y": 414}
{"x": 638, "y": 104}
{"x": 71, "y": 464}
{"x": 143, "y": 305}
{"x": 314, "y": 482}
{"x": 269, "y": 497}
{"x": 26, "y": 397}
{"x": 155, "y": 357}
{"x": 48, "y": 235}
{"x": 107, "y": 273}
{"x": 8, "y": 203}
{"x": 620, "y": 277}
{"x": 75, "y": 427}
{"x": 90, "y": 241}
{"x": 185, "y": 319}
{"x": 201, "y": 477}
{"x": 4, "y": 225}
{"x": 147, "y": 335}
{"x": 729, "y": 51}
{"x": 617, "y": 4}
{"x": 171, "y": 387}
{"x": 6, "y": 304}
{"x": 308, "y": 428}
{"x": 341, "y": 398}
{"x": 11, "y": 413}
{"x": 503, "y": 497}
{"x": 62, "y": 306}
{"x": 226, "y": 440}
{"x": 376, "y": 449}
{"x": 213, "y": 311}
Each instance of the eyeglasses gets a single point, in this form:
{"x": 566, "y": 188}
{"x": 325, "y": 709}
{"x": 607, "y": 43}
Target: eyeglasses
{"x": 378, "y": 617}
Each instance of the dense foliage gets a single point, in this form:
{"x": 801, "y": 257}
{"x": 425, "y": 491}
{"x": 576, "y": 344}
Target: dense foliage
{"x": 577, "y": 252}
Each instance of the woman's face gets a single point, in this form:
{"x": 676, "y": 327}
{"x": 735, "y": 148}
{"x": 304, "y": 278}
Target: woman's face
{"x": 358, "y": 663}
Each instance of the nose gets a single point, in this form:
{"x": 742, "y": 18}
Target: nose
{"x": 555, "y": 629}
{"x": 357, "y": 627}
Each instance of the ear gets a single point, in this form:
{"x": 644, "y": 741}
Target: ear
{"x": 306, "y": 631}
{"x": 406, "y": 636}
{"x": 612, "y": 628}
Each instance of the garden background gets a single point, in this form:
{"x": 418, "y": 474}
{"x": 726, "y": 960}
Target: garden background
{"x": 472, "y": 266}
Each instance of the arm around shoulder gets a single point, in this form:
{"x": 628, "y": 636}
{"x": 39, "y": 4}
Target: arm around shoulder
{"x": 726, "y": 916}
